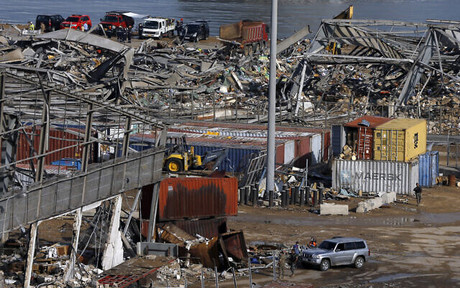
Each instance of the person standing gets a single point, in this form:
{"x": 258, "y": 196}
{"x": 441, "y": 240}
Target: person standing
{"x": 293, "y": 261}
{"x": 418, "y": 193}
{"x": 85, "y": 27}
{"x": 282, "y": 264}
{"x": 31, "y": 26}
{"x": 296, "y": 248}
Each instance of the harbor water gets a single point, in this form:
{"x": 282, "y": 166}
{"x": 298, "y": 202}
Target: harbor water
{"x": 292, "y": 14}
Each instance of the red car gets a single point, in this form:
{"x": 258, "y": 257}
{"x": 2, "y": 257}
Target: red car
{"x": 76, "y": 22}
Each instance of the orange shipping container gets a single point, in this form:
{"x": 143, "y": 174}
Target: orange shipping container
{"x": 185, "y": 198}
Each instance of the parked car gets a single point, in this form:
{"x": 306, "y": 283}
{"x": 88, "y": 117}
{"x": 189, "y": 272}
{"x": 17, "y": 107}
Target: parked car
{"x": 51, "y": 22}
{"x": 195, "y": 31}
{"x": 76, "y": 22}
{"x": 337, "y": 251}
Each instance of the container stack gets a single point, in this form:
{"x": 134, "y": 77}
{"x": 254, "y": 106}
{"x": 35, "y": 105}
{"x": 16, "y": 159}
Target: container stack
{"x": 383, "y": 155}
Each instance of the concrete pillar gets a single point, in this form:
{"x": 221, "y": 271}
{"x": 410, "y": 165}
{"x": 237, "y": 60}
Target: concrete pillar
{"x": 321, "y": 195}
{"x": 113, "y": 250}
{"x": 255, "y": 195}
{"x": 76, "y": 238}
{"x": 247, "y": 190}
{"x": 31, "y": 254}
{"x": 295, "y": 191}
{"x": 302, "y": 196}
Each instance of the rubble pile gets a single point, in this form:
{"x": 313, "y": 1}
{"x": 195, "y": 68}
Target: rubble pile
{"x": 175, "y": 80}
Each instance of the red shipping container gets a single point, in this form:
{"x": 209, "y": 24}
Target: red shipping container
{"x": 360, "y": 135}
{"x": 58, "y": 140}
{"x": 189, "y": 198}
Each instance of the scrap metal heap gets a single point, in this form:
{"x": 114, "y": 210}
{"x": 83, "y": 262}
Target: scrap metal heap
{"x": 68, "y": 78}
{"x": 376, "y": 67}
{"x": 351, "y": 67}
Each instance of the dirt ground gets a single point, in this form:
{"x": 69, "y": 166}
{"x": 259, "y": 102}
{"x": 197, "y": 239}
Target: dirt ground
{"x": 411, "y": 246}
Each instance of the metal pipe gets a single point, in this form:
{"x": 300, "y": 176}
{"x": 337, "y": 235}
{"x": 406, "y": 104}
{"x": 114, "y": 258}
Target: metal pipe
{"x": 271, "y": 103}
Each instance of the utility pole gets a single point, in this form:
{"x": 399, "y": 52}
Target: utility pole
{"x": 271, "y": 105}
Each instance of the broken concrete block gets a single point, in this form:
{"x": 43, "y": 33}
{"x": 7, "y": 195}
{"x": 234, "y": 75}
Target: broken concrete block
{"x": 333, "y": 209}
{"x": 388, "y": 197}
{"x": 374, "y": 203}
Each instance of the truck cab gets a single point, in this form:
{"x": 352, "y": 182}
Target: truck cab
{"x": 158, "y": 27}
{"x": 113, "y": 20}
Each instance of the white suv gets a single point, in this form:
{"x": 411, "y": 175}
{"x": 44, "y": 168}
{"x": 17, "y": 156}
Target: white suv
{"x": 338, "y": 251}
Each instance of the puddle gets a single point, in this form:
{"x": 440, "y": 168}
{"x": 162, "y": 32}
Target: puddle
{"x": 392, "y": 277}
{"x": 424, "y": 218}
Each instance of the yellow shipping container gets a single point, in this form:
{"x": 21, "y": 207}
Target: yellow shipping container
{"x": 400, "y": 140}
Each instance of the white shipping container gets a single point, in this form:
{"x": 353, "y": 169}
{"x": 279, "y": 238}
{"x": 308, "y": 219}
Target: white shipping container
{"x": 375, "y": 176}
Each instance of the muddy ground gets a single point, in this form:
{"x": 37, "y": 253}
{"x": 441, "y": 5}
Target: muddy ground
{"x": 411, "y": 246}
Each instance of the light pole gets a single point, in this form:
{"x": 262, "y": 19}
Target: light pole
{"x": 272, "y": 105}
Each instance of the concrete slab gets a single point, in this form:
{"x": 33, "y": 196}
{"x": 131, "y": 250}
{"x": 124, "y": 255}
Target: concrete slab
{"x": 333, "y": 209}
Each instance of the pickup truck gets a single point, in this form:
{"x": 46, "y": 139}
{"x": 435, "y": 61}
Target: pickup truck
{"x": 114, "y": 19}
{"x": 157, "y": 27}
{"x": 248, "y": 36}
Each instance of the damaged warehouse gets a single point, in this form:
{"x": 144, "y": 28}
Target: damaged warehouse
{"x": 74, "y": 95}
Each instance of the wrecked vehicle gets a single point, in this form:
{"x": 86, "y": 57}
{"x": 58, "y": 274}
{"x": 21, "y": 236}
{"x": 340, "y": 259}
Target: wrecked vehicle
{"x": 338, "y": 251}
{"x": 112, "y": 20}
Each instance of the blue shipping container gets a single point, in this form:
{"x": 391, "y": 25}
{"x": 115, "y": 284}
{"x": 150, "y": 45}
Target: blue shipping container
{"x": 237, "y": 158}
{"x": 428, "y": 168}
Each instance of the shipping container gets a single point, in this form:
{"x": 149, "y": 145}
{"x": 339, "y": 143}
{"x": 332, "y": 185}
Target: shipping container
{"x": 254, "y": 134}
{"x": 359, "y": 135}
{"x": 400, "y": 140}
{"x": 428, "y": 168}
{"x": 237, "y": 157}
{"x": 59, "y": 141}
{"x": 196, "y": 197}
{"x": 375, "y": 176}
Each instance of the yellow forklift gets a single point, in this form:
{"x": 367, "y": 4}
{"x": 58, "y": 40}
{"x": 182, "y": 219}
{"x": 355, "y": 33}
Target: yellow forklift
{"x": 179, "y": 158}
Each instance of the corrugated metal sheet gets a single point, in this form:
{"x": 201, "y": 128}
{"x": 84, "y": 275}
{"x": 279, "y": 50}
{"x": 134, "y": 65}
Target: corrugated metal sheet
{"x": 279, "y": 154}
{"x": 289, "y": 151}
{"x": 400, "y": 139}
{"x": 316, "y": 149}
{"x": 372, "y": 121}
{"x": 237, "y": 158}
{"x": 326, "y": 145}
{"x": 375, "y": 176}
{"x": 197, "y": 198}
{"x": 235, "y": 245}
{"x": 428, "y": 168}
{"x": 338, "y": 139}
{"x": 208, "y": 228}
{"x": 58, "y": 140}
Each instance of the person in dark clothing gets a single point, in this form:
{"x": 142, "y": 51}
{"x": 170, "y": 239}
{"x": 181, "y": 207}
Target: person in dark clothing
{"x": 129, "y": 32}
{"x": 418, "y": 193}
{"x": 293, "y": 257}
